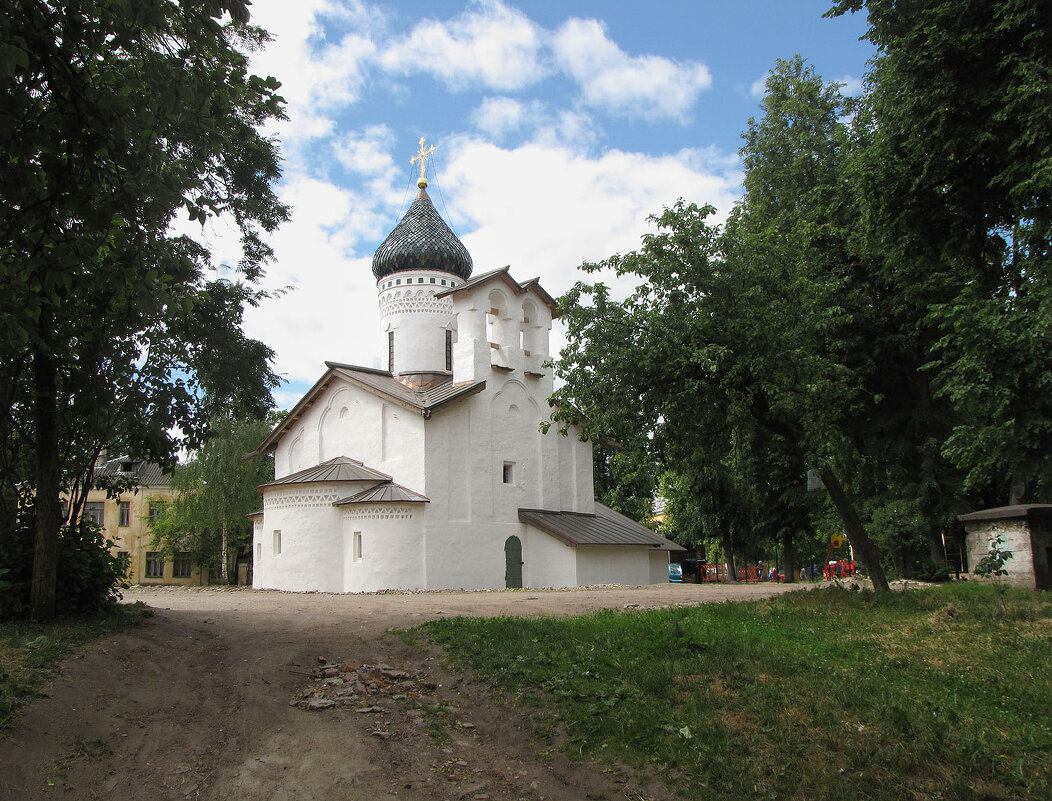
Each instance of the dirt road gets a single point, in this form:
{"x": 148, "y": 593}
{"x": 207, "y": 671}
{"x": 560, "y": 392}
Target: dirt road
{"x": 197, "y": 704}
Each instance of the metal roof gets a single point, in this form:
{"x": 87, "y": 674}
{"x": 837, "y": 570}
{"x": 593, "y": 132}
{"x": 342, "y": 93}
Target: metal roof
{"x": 605, "y": 527}
{"x": 339, "y": 469}
{"x": 1028, "y": 510}
{"x": 146, "y": 474}
{"x": 422, "y": 241}
{"x": 384, "y": 493}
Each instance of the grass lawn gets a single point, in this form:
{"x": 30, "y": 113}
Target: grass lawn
{"x": 30, "y": 653}
{"x": 932, "y": 693}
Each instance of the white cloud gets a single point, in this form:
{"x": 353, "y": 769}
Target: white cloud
{"x": 636, "y": 86}
{"x": 759, "y": 86}
{"x": 364, "y": 152}
{"x": 497, "y": 46}
{"x": 314, "y": 80}
{"x": 852, "y": 87}
{"x": 498, "y": 115}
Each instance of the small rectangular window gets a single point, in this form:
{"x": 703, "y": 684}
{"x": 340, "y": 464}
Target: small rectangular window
{"x": 259, "y": 551}
{"x": 357, "y": 546}
{"x": 509, "y": 473}
{"x": 95, "y": 511}
{"x": 398, "y": 281}
{"x": 432, "y": 280}
{"x": 181, "y": 566}
{"x": 449, "y": 349}
{"x": 124, "y": 513}
{"x": 443, "y": 282}
{"x": 156, "y": 508}
{"x": 420, "y": 280}
{"x": 154, "y": 565}
{"x": 277, "y": 542}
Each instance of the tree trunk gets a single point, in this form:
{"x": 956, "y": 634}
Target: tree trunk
{"x": 223, "y": 573}
{"x": 46, "y": 503}
{"x": 728, "y": 555}
{"x": 867, "y": 551}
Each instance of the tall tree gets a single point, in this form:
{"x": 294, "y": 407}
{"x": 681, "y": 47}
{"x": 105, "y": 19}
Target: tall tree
{"x": 955, "y": 179}
{"x": 215, "y": 491}
{"x": 117, "y": 117}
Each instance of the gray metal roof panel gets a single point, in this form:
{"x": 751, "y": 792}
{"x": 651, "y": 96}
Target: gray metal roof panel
{"x": 605, "y": 527}
{"x": 147, "y": 474}
{"x": 384, "y": 493}
{"x": 339, "y": 469}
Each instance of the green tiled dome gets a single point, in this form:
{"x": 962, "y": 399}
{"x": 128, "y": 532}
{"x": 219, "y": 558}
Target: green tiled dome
{"x": 422, "y": 241}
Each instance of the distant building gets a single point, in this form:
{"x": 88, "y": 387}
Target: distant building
{"x": 435, "y": 473}
{"x": 125, "y": 521}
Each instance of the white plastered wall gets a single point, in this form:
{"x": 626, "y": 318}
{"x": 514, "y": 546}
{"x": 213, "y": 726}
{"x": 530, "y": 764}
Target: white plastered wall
{"x": 613, "y": 564}
{"x": 1015, "y": 537}
{"x": 391, "y": 555}
{"x": 309, "y": 527}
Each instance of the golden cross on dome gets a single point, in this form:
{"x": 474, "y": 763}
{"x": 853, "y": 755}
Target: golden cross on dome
{"x": 422, "y": 156}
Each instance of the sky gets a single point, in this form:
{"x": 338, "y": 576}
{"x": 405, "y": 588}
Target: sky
{"x": 559, "y": 127}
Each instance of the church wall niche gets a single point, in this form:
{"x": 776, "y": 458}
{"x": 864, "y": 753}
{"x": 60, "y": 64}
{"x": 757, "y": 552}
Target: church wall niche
{"x": 335, "y": 432}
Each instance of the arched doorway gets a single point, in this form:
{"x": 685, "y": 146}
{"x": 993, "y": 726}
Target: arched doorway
{"x": 513, "y": 563}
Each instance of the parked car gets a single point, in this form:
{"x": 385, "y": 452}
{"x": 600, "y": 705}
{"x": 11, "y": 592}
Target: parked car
{"x": 675, "y": 572}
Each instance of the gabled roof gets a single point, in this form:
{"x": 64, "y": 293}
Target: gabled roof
{"x": 504, "y": 276}
{"x": 605, "y": 527}
{"x": 145, "y": 474}
{"x": 379, "y": 382}
{"x": 339, "y": 469}
{"x": 384, "y": 493}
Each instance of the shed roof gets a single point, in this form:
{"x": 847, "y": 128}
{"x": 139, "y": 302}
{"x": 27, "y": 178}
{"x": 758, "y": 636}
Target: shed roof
{"x": 605, "y": 527}
{"x": 1027, "y": 510}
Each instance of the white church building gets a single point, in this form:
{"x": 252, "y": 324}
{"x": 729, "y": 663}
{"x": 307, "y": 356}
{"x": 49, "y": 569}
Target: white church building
{"x": 435, "y": 473}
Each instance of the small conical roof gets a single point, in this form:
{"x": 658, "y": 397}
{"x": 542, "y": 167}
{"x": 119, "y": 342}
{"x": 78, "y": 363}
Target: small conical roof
{"x": 422, "y": 241}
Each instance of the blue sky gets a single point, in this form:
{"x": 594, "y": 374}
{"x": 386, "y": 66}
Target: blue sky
{"x": 559, "y": 127}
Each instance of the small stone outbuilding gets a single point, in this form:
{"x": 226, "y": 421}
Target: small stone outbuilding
{"x": 1025, "y": 530}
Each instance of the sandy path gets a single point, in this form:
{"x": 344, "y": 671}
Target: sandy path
{"x": 195, "y": 704}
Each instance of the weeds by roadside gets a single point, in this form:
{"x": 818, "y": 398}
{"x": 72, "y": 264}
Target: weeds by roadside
{"x": 936, "y": 693}
{"x": 30, "y": 653}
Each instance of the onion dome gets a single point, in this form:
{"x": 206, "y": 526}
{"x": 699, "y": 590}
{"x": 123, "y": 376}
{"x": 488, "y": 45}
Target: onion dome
{"x": 422, "y": 241}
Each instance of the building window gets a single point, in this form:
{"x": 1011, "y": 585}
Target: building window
{"x": 181, "y": 565}
{"x": 277, "y": 542}
{"x": 95, "y": 511}
{"x": 156, "y": 509}
{"x": 390, "y": 351}
{"x": 432, "y": 280}
{"x": 420, "y": 280}
{"x": 123, "y": 513}
{"x": 398, "y": 281}
{"x": 449, "y": 349}
{"x": 443, "y": 282}
{"x": 259, "y": 551}
{"x": 509, "y": 472}
{"x": 154, "y": 565}
{"x": 357, "y": 546}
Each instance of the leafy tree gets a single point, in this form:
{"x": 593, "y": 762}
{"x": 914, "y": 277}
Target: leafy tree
{"x": 117, "y": 118}
{"x": 955, "y": 179}
{"x": 215, "y": 491}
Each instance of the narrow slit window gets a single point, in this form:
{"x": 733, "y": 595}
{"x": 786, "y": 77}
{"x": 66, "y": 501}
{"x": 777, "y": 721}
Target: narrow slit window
{"x": 277, "y": 542}
{"x": 509, "y": 473}
{"x": 449, "y": 349}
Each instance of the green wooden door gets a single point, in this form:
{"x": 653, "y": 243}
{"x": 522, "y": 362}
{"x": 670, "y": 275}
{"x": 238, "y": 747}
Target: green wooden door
{"x": 512, "y": 563}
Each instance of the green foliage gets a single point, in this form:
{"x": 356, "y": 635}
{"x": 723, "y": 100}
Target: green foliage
{"x": 215, "y": 491}
{"x": 90, "y": 575}
{"x": 807, "y": 696}
{"x": 992, "y": 565}
{"x": 121, "y": 121}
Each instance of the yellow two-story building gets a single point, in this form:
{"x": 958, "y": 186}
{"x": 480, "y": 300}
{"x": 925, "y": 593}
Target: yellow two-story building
{"x": 125, "y": 521}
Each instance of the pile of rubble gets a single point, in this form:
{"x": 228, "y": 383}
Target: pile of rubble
{"x": 360, "y": 686}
